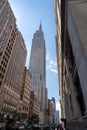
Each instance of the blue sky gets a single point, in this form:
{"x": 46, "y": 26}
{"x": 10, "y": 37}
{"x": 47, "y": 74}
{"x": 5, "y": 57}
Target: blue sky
{"x": 28, "y": 14}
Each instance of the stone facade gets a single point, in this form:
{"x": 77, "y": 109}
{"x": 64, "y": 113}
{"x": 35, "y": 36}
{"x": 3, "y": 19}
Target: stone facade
{"x": 34, "y": 104}
{"x": 51, "y": 111}
{"x": 71, "y": 21}
{"x": 12, "y": 60}
{"x": 25, "y": 92}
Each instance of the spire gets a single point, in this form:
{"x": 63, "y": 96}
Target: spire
{"x": 40, "y": 27}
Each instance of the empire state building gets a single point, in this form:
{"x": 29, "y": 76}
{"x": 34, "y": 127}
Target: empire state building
{"x": 37, "y": 67}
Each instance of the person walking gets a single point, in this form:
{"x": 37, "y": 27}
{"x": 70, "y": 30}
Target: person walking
{"x": 59, "y": 127}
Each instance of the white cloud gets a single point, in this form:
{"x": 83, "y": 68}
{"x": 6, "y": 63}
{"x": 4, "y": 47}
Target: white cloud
{"x": 51, "y": 64}
{"x": 58, "y": 106}
{"x": 47, "y": 57}
{"x": 28, "y": 55}
{"x": 54, "y": 70}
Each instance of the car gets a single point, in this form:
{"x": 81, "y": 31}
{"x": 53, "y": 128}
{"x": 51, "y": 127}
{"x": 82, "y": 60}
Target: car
{"x": 28, "y": 127}
{"x": 34, "y": 125}
{"x": 21, "y": 127}
{"x": 14, "y": 126}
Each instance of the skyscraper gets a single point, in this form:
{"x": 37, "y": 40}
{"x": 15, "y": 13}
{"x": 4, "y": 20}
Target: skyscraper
{"x": 57, "y": 117}
{"x": 53, "y": 99}
{"x": 54, "y": 102}
{"x": 37, "y": 67}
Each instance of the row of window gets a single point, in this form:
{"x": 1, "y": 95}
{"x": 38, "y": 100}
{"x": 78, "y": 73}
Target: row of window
{"x": 8, "y": 107}
{"x": 5, "y": 59}
{"x": 24, "y": 108}
{"x": 9, "y": 102}
{"x": 2, "y": 2}
{"x": 10, "y": 92}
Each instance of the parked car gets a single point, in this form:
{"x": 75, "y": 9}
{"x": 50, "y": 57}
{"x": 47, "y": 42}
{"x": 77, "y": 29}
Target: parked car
{"x": 21, "y": 127}
{"x": 28, "y": 127}
{"x": 32, "y": 127}
{"x": 14, "y": 126}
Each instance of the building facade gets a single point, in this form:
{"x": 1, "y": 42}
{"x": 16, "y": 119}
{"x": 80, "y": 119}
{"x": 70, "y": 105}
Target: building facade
{"x": 46, "y": 107}
{"x": 54, "y": 102}
{"x": 12, "y": 60}
{"x": 57, "y": 117}
{"x": 34, "y": 104}
{"x": 37, "y": 68}
{"x": 71, "y": 25}
{"x": 25, "y": 92}
{"x": 51, "y": 111}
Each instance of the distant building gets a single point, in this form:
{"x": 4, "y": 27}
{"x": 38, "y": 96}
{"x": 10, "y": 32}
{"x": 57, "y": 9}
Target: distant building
{"x": 12, "y": 60}
{"x": 25, "y": 93}
{"x": 54, "y": 102}
{"x": 53, "y": 99}
{"x": 37, "y": 68}
{"x": 57, "y": 117}
{"x": 34, "y": 104}
{"x": 46, "y": 100}
{"x": 71, "y": 44}
{"x": 51, "y": 111}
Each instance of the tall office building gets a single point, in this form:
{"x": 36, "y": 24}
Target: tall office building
{"x": 57, "y": 117}
{"x": 12, "y": 60}
{"x": 54, "y": 102}
{"x": 51, "y": 111}
{"x": 37, "y": 68}
{"x": 53, "y": 99}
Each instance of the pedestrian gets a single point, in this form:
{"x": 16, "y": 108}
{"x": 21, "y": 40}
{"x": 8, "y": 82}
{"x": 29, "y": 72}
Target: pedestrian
{"x": 59, "y": 127}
